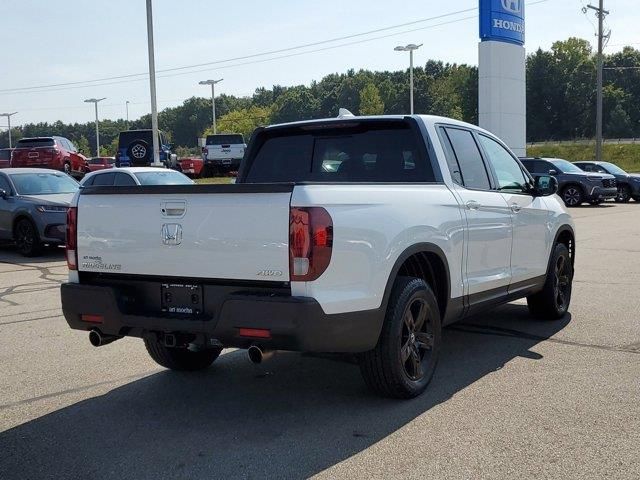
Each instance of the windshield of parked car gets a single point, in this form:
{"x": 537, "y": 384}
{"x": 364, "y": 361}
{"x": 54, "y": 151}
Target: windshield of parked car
{"x": 43, "y": 183}
{"x": 565, "y": 166}
{"x": 614, "y": 169}
{"x": 163, "y": 177}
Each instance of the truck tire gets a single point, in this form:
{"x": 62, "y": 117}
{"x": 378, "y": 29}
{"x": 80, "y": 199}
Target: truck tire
{"x": 552, "y": 302}
{"x": 182, "y": 359}
{"x": 404, "y": 360}
{"x": 27, "y": 239}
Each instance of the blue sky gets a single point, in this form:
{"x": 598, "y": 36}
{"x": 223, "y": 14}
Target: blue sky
{"x": 50, "y": 42}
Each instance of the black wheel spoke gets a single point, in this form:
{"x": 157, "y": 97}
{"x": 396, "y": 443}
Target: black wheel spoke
{"x": 409, "y": 321}
{"x": 424, "y": 340}
{"x": 420, "y": 317}
{"x": 416, "y": 364}
{"x": 405, "y": 352}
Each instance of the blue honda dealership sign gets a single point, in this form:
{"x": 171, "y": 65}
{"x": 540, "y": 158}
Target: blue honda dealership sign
{"x": 502, "y": 20}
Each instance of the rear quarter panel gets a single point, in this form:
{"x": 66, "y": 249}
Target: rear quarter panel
{"x": 373, "y": 225}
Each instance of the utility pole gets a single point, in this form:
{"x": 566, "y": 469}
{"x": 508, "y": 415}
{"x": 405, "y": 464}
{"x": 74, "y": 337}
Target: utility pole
{"x": 600, "y": 13}
{"x": 8, "y": 115}
{"x": 213, "y": 99}
{"x": 126, "y": 104}
{"x": 152, "y": 86}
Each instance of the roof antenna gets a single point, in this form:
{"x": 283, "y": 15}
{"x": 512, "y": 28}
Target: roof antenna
{"x": 344, "y": 113}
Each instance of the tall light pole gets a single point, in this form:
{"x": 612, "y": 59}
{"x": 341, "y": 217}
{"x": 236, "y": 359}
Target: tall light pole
{"x": 8, "y": 115}
{"x": 95, "y": 103}
{"x": 152, "y": 86}
{"x": 213, "y": 99}
{"x": 409, "y": 48}
{"x": 600, "y": 13}
{"x": 126, "y": 105}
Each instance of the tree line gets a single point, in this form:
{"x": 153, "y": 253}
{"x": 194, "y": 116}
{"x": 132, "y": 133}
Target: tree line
{"x": 560, "y": 101}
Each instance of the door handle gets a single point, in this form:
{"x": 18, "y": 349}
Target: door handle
{"x": 515, "y": 208}
{"x": 472, "y": 205}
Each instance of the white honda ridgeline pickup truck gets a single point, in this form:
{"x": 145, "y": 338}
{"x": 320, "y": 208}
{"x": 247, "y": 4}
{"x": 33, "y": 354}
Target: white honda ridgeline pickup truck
{"x": 355, "y": 234}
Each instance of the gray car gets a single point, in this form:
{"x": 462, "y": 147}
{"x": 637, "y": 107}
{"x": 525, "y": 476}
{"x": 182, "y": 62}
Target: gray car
{"x": 33, "y": 207}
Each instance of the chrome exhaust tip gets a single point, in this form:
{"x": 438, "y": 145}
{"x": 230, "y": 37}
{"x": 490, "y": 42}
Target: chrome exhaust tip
{"x": 258, "y": 355}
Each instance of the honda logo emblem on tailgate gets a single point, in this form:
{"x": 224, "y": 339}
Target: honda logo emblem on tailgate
{"x": 171, "y": 234}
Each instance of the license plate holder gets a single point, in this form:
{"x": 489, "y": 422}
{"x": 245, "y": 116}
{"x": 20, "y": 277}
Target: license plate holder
{"x": 183, "y": 299}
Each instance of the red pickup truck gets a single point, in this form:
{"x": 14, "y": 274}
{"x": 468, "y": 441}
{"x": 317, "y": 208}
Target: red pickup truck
{"x": 191, "y": 166}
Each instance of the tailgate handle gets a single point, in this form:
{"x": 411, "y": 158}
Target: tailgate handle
{"x": 174, "y": 208}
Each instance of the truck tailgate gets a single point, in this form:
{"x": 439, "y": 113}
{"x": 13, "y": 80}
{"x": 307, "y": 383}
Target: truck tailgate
{"x": 238, "y": 232}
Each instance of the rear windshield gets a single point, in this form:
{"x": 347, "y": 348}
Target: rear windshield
{"x": 225, "y": 140}
{"x": 163, "y": 177}
{"x": 373, "y": 152}
{"x": 36, "y": 142}
{"x": 43, "y": 183}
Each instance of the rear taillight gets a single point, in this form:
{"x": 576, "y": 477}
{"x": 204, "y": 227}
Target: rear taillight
{"x": 72, "y": 238}
{"x": 310, "y": 243}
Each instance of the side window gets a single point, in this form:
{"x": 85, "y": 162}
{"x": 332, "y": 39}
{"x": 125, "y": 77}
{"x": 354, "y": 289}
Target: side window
{"x": 472, "y": 169}
{"x": 124, "y": 180}
{"x": 104, "y": 179}
{"x": 88, "y": 182}
{"x": 72, "y": 147}
{"x": 587, "y": 167}
{"x": 452, "y": 162}
{"x": 507, "y": 169}
{"x": 545, "y": 167}
{"x": 4, "y": 184}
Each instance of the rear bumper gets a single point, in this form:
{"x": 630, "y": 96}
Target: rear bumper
{"x": 295, "y": 323}
{"x": 223, "y": 162}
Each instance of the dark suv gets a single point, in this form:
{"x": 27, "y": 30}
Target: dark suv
{"x": 628, "y": 183}
{"x": 135, "y": 149}
{"x": 575, "y": 186}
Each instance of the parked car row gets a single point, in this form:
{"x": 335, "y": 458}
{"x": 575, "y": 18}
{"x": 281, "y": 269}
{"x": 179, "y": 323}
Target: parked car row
{"x": 586, "y": 181}
{"x": 34, "y": 201}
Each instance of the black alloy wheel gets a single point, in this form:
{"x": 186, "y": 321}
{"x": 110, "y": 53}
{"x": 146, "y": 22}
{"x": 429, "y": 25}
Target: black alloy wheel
{"x": 26, "y": 238}
{"x": 417, "y": 339}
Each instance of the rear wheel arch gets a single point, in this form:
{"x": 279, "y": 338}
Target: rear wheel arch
{"x": 428, "y": 262}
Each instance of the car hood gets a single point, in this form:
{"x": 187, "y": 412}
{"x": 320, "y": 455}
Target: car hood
{"x": 633, "y": 175}
{"x": 61, "y": 199}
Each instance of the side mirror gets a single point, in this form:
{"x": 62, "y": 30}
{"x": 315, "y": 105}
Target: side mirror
{"x": 3, "y": 194}
{"x": 553, "y": 172}
{"x": 545, "y": 185}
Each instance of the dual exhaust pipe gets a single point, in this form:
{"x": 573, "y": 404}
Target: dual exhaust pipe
{"x": 256, "y": 354}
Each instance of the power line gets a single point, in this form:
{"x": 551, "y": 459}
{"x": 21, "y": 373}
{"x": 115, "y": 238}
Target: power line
{"x": 131, "y": 77}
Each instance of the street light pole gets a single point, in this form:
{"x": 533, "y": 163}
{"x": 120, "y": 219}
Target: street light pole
{"x": 126, "y": 104}
{"x": 152, "y": 86}
{"x": 213, "y": 99}
{"x": 409, "y": 48}
{"x": 95, "y": 103}
{"x": 8, "y": 115}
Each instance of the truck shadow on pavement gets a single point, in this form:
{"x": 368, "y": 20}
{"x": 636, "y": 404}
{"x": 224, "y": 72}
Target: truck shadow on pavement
{"x": 291, "y": 417}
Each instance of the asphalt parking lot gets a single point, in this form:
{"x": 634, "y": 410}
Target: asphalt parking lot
{"x": 512, "y": 397}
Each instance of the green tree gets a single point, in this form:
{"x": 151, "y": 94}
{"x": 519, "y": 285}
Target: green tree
{"x": 83, "y": 146}
{"x": 243, "y": 121}
{"x": 370, "y": 101}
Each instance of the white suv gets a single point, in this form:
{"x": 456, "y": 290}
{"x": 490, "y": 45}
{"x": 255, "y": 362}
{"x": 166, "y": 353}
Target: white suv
{"x": 362, "y": 234}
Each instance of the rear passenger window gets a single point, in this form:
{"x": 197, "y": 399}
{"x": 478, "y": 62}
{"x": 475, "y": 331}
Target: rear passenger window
{"x": 124, "y": 180}
{"x": 104, "y": 180}
{"x": 4, "y": 185}
{"x": 472, "y": 169}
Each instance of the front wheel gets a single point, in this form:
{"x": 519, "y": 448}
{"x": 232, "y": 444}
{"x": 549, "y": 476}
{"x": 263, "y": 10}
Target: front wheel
{"x": 552, "y": 302}
{"x": 624, "y": 194}
{"x": 67, "y": 168}
{"x": 27, "y": 239}
{"x": 180, "y": 358}
{"x": 572, "y": 196}
{"x": 404, "y": 360}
